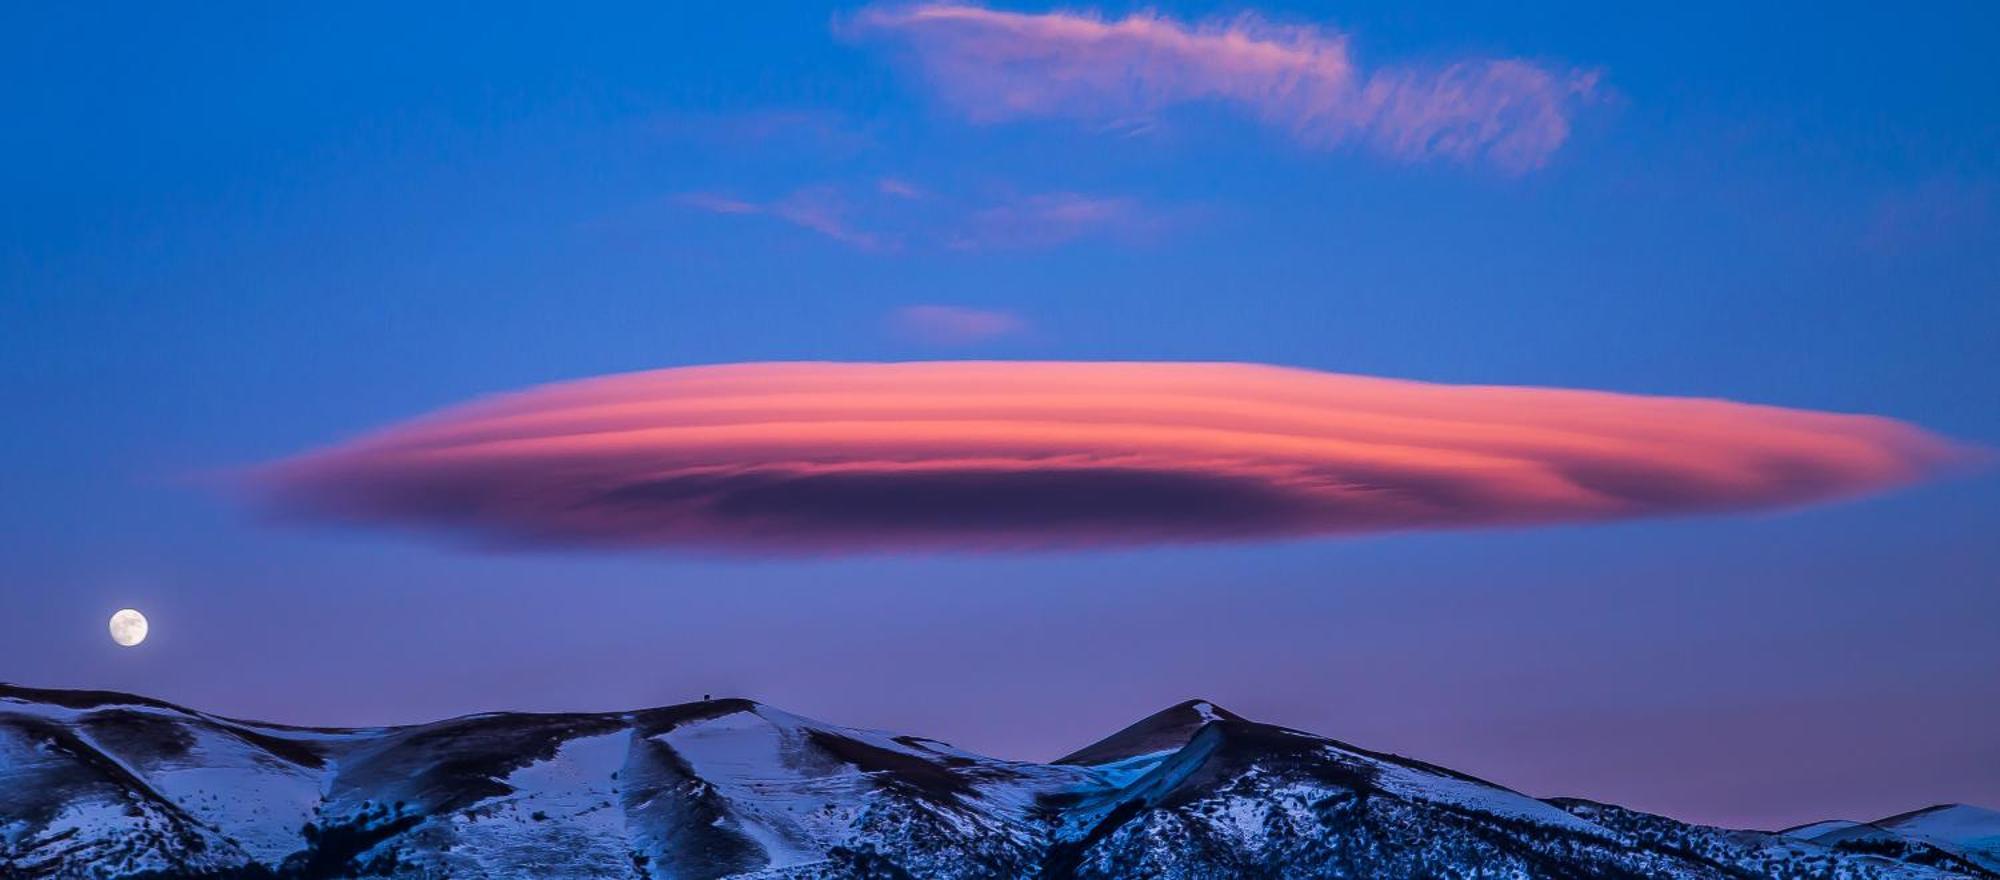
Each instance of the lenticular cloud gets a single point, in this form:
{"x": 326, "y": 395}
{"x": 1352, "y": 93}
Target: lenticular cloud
{"x": 834, "y": 458}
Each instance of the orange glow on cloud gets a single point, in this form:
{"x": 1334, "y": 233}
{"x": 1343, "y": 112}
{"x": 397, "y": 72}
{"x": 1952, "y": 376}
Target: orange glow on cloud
{"x": 837, "y": 457}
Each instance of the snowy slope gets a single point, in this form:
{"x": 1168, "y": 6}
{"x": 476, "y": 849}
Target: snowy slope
{"x": 1812, "y": 830}
{"x": 1942, "y": 834}
{"x": 109, "y": 785}
{"x": 1971, "y": 831}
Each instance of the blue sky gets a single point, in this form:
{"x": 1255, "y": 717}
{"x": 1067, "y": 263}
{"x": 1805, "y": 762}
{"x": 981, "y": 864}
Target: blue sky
{"x": 231, "y": 233}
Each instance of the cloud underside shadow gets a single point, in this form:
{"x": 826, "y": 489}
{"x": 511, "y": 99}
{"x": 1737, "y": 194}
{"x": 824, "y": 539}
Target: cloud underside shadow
{"x": 824, "y": 458}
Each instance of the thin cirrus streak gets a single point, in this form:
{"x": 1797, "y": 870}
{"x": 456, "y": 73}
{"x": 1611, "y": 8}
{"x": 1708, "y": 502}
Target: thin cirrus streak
{"x": 993, "y": 65}
{"x": 1047, "y": 219}
{"x": 826, "y": 458}
{"x": 1012, "y": 221}
{"x": 818, "y": 209}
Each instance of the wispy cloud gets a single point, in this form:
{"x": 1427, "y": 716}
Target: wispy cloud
{"x": 993, "y": 65}
{"x": 894, "y": 213}
{"x": 1046, "y": 219}
{"x": 825, "y": 211}
{"x": 898, "y": 187}
{"x": 954, "y": 325}
{"x": 819, "y": 209}
{"x": 845, "y": 458}
{"x": 716, "y": 204}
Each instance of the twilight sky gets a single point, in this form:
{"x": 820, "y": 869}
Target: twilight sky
{"x": 255, "y": 264}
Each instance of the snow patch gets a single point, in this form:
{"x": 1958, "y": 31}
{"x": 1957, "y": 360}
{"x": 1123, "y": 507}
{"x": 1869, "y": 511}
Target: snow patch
{"x": 1415, "y": 784}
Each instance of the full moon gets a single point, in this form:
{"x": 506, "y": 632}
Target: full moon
{"x": 128, "y": 627}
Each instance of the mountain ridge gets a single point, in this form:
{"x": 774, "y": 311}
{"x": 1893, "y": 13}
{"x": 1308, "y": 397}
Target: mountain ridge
{"x": 103, "y": 784}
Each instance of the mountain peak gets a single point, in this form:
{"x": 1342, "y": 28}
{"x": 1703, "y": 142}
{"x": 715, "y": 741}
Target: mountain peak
{"x": 1207, "y": 710}
{"x": 1165, "y": 730}
{"x": 100, "y": 784}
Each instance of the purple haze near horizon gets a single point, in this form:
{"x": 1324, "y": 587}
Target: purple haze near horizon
{"x": 233, "y": 234}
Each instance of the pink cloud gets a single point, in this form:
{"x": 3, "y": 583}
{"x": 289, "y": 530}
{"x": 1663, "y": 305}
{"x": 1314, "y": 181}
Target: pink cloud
{"x": 987, "y": 456}
{"x": 992, "y": 65}
{"x": 954, "y": 325}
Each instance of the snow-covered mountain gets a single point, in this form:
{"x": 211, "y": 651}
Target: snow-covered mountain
{"x": 1938, "y": 834}
{"x": 96, "y": 784}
